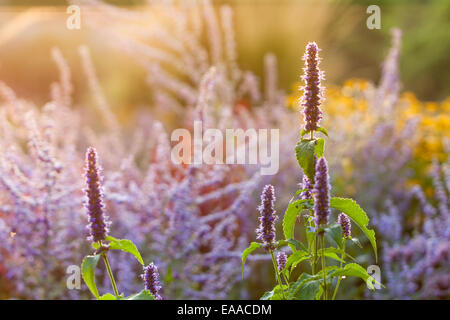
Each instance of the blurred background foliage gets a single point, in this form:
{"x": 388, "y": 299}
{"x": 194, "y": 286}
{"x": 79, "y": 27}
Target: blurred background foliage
{"x": 368, "y": 141}
{"x": 350, "y": 49}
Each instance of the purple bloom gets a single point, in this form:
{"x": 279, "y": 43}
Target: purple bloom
{"x": 321, "y": 193}
{"x": 281, "y": 261}
{"x": 267, "y": 219}
{"x": 312, "y": 91}
{"x": 98, "y": 221}
{"x": 151, "y": 280}
{"x": 346, "y": 225}
{"x": 307, "y": 185}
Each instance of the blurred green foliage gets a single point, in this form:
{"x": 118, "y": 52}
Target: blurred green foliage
{"x": 424, "y": 63}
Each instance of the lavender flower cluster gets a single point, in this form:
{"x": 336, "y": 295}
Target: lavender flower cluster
{"x": 191, "y": 221}
{"x": 321, "y": 193}
{"x": 268, "y": 218}
{"x": 98, "y": 223}
{"x": 151, "y": 280}
{"x": 312, "y": 91}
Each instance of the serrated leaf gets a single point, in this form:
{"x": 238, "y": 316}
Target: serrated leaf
{"x": 323, "y": 130}
{"x": 304, "y": 152}
{"x": 297, "y": 244}
{"x": 267, "y": 295}
{"x": 319, "y": 147}
{"x": 88, "y": 273}
{"x": 290, "y": 216}
{"x": 253, "y": 246}
{"x": 356, "y": 241}
{"x": 331, "y": 253}
{"x": 357, "y": 214}
{"x": 126, "y": 246}
{"x": 108, "y": 296}
{"x": 355, "y": 270}
{"x": 334, "y": 233}
{"x": 304, "y": 290}
{"x": 143, "y": 295}
{"x": 302, "y": 133}
{"x": 296, "y": 258}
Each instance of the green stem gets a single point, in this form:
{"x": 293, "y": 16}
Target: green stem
{"x": 324, "y": 269}
{"x": 111, "y": 276}
{"x": 315, "y": 255}
{"x": 340, "y": 266}
{"x": 276, "y": 273}
{"x": 286, "y": 279}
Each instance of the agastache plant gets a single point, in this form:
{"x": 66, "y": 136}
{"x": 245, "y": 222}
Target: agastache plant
{"x": 326, "y": 241}
{"x": 102, "y": 243}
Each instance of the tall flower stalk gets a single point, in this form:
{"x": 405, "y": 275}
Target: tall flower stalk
{"x": 267, "y": 218}
{"x": 312, "y": 90}
{"x": 98, "y": 221}
{"x": 266, "y": 230}
{"x": 314, "y": 198}
{"x": 98, "y": 235}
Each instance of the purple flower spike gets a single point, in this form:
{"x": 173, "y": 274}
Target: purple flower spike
{"x": 281, "y": 261}
{"x": 307, "y": 185}
{"x": 98, "y": 221}
{"x": 346, "y": 225}
{"x": 321, "y": 193}
{"x": 267, "y": 219}
{"x": 312, "y": 91}
{"x": 151, "y": 280}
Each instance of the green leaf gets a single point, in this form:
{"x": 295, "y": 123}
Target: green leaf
{"x": 143, "y": 295}
{"x": 297, "y": 244}
{"x": 318, "y": 149}
{"x": 298, "y": 192}
{"x": 253, "y": 246}
{"x": 267, "y": 295}
{"x": 290, "y": 216}
{"x": 355, "y": 270}
{"x": 331, "y": 253}
{"x": 272, "y": 295}
{"x": 310, "y": 235}
{"x": 126, "y": 246}
{"x": 88, "y": 273}
{"x": 354, "y": 211}
{"x": 305, "y": 151}
{"x": 108, "y": 296}
{"x": 296, "y": 258}
{"x": 356, "y": 241}
{"x": 334, "y": 233}
{"x": 304, "y": 290}
{"x": 323, "y": 130}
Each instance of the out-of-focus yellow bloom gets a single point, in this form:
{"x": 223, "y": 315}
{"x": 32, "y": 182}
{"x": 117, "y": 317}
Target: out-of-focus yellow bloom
{"x": 352, "y": 99}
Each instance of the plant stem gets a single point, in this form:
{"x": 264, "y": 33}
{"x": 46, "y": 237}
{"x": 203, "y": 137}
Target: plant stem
{"x": 285, "y": 279}
{"x": 312, "y": 134}
{"x": 276, "y": 273}
{"x": 324, "y": 269}
{"x": 340, "y": 266}
{"x": 315, "y": 255}
{"x": 111, "y": 276}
